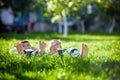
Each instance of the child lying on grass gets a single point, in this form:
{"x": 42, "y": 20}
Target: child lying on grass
{"x": 24, "y": 47}
{"x": 54, "y": 47}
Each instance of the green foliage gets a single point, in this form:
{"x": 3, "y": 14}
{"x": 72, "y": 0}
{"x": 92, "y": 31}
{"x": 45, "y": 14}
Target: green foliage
{"x": 102, "y": 63}
{"x": 69, "y": 7}
{"x": 111, "y": 8}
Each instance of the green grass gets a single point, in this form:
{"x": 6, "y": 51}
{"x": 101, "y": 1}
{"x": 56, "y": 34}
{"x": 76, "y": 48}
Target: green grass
{"x": 102, "y": 62}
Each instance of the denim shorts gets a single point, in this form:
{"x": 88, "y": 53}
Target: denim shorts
{"x": 31, "y": 53}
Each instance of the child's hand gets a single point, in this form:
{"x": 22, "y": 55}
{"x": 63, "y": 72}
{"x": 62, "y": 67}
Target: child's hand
{"x": 42, "y": 46}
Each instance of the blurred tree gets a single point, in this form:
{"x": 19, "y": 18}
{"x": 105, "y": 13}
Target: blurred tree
{"x": 66, "y": 8}
{"x": 87, "y": 14}
{"x": 5, "y": 3}
{"x": 15, "y": 4}
{"x": 112, "y": 9}
{"x": 61, "y": 9}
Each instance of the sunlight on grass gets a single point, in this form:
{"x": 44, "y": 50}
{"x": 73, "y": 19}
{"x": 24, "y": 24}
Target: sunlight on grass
{"x": 102, "y": 63}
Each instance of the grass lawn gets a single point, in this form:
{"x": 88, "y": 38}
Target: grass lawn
{"x": 102, "y": 62}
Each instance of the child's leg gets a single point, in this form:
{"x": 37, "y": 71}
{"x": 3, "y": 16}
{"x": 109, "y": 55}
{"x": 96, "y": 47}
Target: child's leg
{"x": 42, "y": 46}
{"x": 53, "y": 48}
{"x": 84, "y": 50}
{"x": 19, "y": 48}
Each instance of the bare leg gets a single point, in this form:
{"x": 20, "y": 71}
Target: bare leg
{"x": 19, "y": 48}
{"x": 84, "y": 50}
{"x": 42, "y": 46}
{"x": 53, "y": 48}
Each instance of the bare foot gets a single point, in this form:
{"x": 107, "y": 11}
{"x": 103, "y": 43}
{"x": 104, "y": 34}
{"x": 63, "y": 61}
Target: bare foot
{"x": 42, "y": 46}
{"x": 53, "y": 48}
{"x": 84, "y": 50}
{"x": 19, "y": 48}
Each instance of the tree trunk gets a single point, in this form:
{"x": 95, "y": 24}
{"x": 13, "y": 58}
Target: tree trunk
{"x": 65, "y": 25}
{"x": 42, "y": 21}
{"x": 60, "y": 27}
{"x": 112, "y": 26}
{"x": 82, "y": 26}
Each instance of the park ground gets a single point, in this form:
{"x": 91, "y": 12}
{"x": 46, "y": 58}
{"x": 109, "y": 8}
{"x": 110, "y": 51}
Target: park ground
{"x": 102, "y": 62}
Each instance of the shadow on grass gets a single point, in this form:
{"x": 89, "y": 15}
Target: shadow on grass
{"x": 12, "y": 66}
{"x": 108, "y": 69}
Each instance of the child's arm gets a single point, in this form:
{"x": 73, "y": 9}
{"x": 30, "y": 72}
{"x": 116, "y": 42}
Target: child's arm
{"x": 34, "y": 48}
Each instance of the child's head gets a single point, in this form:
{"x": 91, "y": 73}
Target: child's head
{"x": 26, "y": 44}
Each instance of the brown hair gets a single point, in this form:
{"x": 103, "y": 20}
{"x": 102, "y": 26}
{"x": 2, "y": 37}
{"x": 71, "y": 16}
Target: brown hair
{"x": 24, "y": 41}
